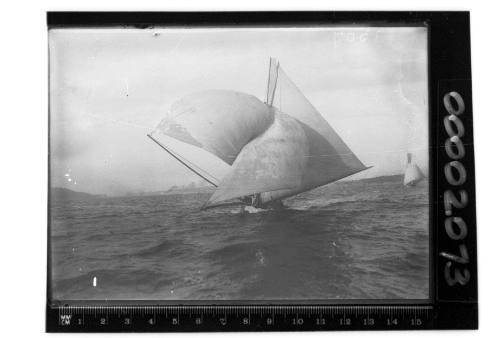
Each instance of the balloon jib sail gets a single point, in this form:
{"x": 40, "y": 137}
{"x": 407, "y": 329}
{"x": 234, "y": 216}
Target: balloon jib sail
{"x": 275, "y": 149}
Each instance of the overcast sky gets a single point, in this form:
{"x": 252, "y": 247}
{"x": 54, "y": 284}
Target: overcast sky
{"x": 110, "y": 87}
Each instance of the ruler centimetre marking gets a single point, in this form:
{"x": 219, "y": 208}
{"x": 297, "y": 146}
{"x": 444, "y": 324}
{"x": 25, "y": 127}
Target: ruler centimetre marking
{"x": 164, "y": 318}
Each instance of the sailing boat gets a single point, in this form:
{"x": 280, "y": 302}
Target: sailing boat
{"x": 413, "y": 174}
{"x": 275, "y": 149}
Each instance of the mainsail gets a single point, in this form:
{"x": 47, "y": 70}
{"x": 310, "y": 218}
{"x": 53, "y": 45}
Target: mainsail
{"x": 276, "y": 149}
{"x": 413, "y": 174}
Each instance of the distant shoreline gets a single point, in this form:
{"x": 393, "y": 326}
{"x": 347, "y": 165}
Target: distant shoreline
{"x": 64, "y": 194}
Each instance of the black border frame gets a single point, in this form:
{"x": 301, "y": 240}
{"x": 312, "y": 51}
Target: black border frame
{"x": 453, "y": 306}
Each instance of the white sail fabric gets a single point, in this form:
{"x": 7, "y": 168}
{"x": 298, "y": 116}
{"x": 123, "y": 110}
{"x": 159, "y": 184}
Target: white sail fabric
{"x": 289, "y": 99}
{"x": 413, "y": 174}
{"x": 219, "y": 121}
{"x": 289, "y": 158}
{"x": 275, "y": 160}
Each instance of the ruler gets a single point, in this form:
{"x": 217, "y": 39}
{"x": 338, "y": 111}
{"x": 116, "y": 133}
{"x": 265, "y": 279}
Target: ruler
{"x": 166, "y": 318}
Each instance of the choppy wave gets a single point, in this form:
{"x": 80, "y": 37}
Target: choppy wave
{"x": 347, "y": 240}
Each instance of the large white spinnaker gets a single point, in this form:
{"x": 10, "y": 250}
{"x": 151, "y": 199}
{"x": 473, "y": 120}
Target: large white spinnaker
{"x": 205, "y": 131}
{"x": 221, "y": 122}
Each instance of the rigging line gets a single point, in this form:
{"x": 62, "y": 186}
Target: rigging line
{"x": 177, "y": 157}
{"x": 200, "y": 170}
{"x": 193, "y": 167}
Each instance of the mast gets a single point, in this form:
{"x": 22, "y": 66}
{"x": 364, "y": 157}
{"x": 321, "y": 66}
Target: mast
{"x": 268, "y": 80}
{"x": 184, "y": 162}
{"x": 272, "y": 80}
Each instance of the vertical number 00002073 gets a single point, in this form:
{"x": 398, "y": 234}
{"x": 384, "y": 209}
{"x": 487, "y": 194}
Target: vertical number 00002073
{"x": 456, "y": 198}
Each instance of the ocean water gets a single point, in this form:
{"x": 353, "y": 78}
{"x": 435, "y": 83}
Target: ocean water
{"x": 364, "y": 239}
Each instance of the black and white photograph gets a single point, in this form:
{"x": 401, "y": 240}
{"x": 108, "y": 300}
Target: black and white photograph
{"x": 274, "y": 167}
{"x": 239, "y": 163}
